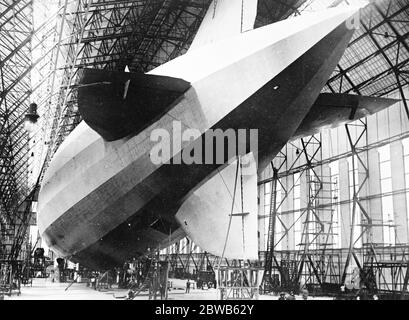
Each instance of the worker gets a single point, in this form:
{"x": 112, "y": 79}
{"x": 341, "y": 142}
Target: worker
{"x": 163, "y": 291}
{"x": 188, "y": 286}
{"x": 363, "y": 294}
{"x": 52, "y": 275}
{"x": 199, "y": 283}
{"x": 305, "y": 294}
{"x": 131, "y": 295}
{"x": 93, "y": 281}
{"x": 282, "y": 296}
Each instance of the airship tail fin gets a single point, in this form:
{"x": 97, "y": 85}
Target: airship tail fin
{"x": 208, "y": 219}
{"x": 334, "y": 109}
{"x": 224, "y": 19}
{"x": 116, "y": 104}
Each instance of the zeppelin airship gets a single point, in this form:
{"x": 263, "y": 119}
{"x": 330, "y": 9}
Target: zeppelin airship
{"x": 120, "y": 186}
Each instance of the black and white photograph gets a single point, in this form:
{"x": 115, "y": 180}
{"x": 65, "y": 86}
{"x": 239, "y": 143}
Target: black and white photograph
{"x": 204, "y": 157}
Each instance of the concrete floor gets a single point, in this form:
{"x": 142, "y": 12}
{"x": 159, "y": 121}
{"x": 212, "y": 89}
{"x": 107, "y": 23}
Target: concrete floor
{"x": 44, "y": 289}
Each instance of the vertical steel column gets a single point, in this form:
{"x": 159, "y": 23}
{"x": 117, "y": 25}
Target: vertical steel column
{"x": 357, "y": 187}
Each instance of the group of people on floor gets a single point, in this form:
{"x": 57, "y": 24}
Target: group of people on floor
{"x": 291, "y": 295}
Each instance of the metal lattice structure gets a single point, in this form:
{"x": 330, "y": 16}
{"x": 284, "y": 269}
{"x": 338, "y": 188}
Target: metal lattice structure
{"x": 376, "y": 62}
{"x": 115, "y": 34}
{"x": 44, "y": 45}
{"x": 15, "y": 61}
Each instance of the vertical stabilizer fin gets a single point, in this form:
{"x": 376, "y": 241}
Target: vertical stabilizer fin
{"x": 225, "y": 18}
{"x": 207, "y": 218}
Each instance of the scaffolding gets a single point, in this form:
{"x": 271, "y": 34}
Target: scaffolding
{"x": 238, "y": 283}
{"x": 380, "y": 46}
{"x": 309, "y": 263}
{"x": 359, "y": 179}
{"x": 317, "y": 234}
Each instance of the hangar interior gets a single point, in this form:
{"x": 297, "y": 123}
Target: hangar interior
{"x": 333, "y": 208}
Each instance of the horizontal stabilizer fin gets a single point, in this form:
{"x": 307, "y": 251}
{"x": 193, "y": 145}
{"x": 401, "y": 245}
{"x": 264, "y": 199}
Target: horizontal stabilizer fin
{"x": 117, "y": 104}
{"x": 334, "y": 109}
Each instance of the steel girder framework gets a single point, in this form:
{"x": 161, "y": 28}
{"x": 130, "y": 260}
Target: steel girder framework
{"x": 15, "y": 59}
{"x": 115, "y": 34}
{"x": 26, "y": 49}
{"x": 376, "y": 62}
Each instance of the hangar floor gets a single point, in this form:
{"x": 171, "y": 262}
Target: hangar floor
{"x": 44, "y": 289}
